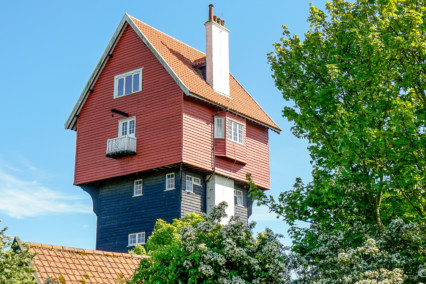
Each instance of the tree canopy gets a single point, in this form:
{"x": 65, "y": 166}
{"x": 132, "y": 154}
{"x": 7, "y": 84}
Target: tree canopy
{"x": 358, "y": 83}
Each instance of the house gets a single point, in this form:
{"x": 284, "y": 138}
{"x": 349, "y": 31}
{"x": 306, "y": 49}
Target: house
{"x": 163, "y": 130}
{"x": 71, "y": 265}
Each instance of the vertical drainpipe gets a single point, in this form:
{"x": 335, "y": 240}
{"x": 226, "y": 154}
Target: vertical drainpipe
{"x": 180, "y": 188}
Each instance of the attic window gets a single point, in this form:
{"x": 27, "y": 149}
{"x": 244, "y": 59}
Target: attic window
{"x": 128, "y": 83}
{"x": 200, "y": 66}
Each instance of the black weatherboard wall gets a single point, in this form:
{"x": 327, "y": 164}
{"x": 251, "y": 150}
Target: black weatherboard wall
{"x": 119, "y": 213}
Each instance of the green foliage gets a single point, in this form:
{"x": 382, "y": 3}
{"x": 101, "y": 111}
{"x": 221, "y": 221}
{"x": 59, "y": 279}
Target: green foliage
{"x": 198, "y": 249}
{"x": 14, "y": 262}
{"x": 138, "y": 250}
{"x": 358, "y": 83}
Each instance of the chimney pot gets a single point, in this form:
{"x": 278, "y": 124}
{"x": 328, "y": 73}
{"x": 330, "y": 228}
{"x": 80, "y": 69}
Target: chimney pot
{"x": 211, "y": 12}
{"x": 219, "y": 21}
{"x": 223, "y": 22}
{"x": 214, "y": 18}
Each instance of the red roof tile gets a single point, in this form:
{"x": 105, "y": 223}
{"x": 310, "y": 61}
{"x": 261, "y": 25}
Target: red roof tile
{"x": 73, "y": 265}
{"x": 181, "y": 58}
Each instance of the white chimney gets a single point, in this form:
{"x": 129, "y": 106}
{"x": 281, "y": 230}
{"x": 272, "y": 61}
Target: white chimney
{"x": 217, "y": 54}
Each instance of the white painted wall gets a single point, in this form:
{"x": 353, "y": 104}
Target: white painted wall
{"x": 220, "y": 189}
{"x": 217, "y": 57}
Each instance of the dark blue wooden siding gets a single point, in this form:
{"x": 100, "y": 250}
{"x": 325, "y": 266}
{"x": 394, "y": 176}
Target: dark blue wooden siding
{"x": 193, "y": 201}
{"x": 120, "y": 214}
{"x": 243, "y": 211}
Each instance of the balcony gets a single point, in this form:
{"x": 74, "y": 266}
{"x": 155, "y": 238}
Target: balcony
{"x": 121, "y": 147}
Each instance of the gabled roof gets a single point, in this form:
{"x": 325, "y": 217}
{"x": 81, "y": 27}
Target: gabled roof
{"x": 178, "y": 59}
{"x": 71, "y": 265}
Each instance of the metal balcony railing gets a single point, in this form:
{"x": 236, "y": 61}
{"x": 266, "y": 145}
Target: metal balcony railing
{"x": 121, "y": 147}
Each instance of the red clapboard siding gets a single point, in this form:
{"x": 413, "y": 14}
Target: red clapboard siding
{"x": 157, "y": 108}
{"x": 197, "y": 145}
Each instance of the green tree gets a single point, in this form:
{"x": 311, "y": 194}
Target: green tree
{"x": 198, "y": 249}
{"x": 358, "y": 83}
{"x": 14, "y": 262}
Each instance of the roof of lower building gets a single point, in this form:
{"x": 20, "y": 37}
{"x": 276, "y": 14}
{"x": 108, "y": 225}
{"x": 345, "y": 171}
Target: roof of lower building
{"x": 72, "y": 265}
{"x": 180, "y": 60}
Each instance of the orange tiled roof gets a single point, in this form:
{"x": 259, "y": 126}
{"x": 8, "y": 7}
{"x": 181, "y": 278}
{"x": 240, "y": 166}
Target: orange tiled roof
{"x": 74, "y": 265}
{"x": 181, "y": 58}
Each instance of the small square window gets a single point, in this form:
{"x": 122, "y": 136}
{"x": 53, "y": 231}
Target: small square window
{"x": 239, "y": 197}
{"x": 137, "y": 187}
{"x": 170, "y": 181}
{"x": 235, "y": 132}
{"x": 128, "y": 83}
{"x": 137, "y": 238}
{"x": 197, "y": 181}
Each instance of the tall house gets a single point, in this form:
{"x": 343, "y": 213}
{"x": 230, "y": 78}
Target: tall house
{"x": 163, "y": 130}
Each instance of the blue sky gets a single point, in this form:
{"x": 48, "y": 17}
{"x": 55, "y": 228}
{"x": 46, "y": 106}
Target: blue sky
{"x": 49, "y": 50}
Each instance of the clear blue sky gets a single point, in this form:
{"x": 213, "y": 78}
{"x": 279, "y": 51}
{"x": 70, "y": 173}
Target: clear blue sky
{"x": 49, "y": 50}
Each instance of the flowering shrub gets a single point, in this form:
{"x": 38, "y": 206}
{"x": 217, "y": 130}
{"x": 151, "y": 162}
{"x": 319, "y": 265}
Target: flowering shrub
{"x": 198, "y": 249}
{"x": 396, "y": 255}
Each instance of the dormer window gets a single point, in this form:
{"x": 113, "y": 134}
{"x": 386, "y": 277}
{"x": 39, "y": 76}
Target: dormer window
{"x": 128, "y": 83}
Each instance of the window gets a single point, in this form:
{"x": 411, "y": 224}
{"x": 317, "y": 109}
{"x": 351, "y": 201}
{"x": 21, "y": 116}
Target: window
{"x": 190, "y": 181}
{"x": 170, "y": 181}
{"x": 137, "y": 187}
{"x": 127, "y": 127}
{"x": 219, "y": 127}
{"x": 128, "y": 83}
{"x": 137, "y": 238}
{"x": 235, "y": 132}
{"x": 239, "y": 197}
{"x": 189, "y": 184}
{"x": 197, "y": 181}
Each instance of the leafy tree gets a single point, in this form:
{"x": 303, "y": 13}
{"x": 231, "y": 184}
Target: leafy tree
{"x": 358, "y": 83}
{"x": 14, "y": 262}
{"x": 198, "y": 249}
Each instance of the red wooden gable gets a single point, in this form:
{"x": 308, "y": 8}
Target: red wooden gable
{"x": 173, "y": 125}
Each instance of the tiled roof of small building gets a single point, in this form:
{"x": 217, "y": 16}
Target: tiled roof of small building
{"x": 72, "y": 265}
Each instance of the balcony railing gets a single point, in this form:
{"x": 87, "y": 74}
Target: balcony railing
{"x": 121, "y": 147}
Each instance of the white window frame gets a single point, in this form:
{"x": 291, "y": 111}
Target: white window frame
{"x": 139, "y": 239}
{"x": 128, "y": 122}
{"x": 219, "y": 132}
{"x": 190, "y": 181}
{"x": 168, "y": 177}
{"x": 136, "y": 187}
{"x": 237, "y": 200}
{"x": 197, "y": 181}
{"x": 239, "y": 128}
{"x": 124, "y": 75}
